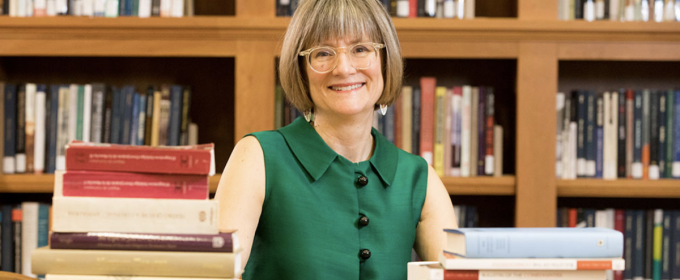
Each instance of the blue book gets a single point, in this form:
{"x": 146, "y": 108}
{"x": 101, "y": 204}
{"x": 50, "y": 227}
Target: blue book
{"x": 6, "y": 240}
{"x": 52, "y": 123}
{"x": 666, "y": 245}
{"x": 10, "y": 127}
{"x": 134, "y": 126}
{"x": 142, "y": 120}
{"x": 534, "y": 243}
{"x": 175, "y": 115}
{"x": 628, "y": 246}
{"x": 675, "y": 243}
{"x": 126, "y": 117}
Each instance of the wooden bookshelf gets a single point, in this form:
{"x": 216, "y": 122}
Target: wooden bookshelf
{"x": 247, "y": 38}
{"x": 505, "y": 185}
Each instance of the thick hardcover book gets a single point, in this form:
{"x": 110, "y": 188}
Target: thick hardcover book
{"x": 466, "y": 115}
{"x": 621, "y": 136}
{"x": 134, "y": 215}
{"x": 30, "y": 126}
{"x": 130, "y": 185}
{"x": 6, "y": 239}
{"x": 481, "y": 132}
{"x": 10, "y": 129}
{"x": 489, "y": 121}
{"x": 661, "y": 149}
{"x": 670, "y": 132}
{"x": 638, "y": 254}
{"x": 434, "y": 271}
{"x": 20, "y": 156}
{"x": 52, "y": 128}
{"x": 450, "y": 261}
{"x": 440, "y": 129}
{"x": 531, "y": 243}
{"x": 197, "y": 159}
{"x": 226, "y": 242}
{"x": 667, "y": 251}
{"x": 653, "y": 172}
{"x": 581, "y": 151}
{"x": 591, "y": 134}
{"x": 628, "y": 243}
{"x": 599, "y": 135}
{"x": 646, "y": 130}
{"x": 636, "y": 167}
{"x": 40, "y": 141}
{"x": 174, "y": 118}
{"x": 125, "y": 263}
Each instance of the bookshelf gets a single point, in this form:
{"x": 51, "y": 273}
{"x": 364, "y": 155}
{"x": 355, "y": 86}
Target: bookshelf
{"x": 234, "y": 44}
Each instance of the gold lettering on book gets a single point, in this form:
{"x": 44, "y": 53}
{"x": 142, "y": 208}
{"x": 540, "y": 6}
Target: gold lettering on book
{"x": 95, "y": 156}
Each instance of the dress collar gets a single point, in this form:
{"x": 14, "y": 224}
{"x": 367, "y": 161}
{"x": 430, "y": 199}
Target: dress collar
{"x": 315, "y": 155}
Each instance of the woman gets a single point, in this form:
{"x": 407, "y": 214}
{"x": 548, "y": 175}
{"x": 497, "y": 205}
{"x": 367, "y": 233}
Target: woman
{"x": 328, "y": 197}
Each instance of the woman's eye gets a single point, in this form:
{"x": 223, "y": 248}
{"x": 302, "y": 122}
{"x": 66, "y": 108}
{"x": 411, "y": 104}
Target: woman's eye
{"x": 323, "y": 53}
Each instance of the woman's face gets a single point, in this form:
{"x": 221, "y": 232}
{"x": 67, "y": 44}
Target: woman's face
{"x": 345, "y": 90}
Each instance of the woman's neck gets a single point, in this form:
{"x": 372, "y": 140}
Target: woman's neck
{"x": 350, "y": 137}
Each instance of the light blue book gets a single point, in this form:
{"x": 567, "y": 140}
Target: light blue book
{"x": 534, "y": 243}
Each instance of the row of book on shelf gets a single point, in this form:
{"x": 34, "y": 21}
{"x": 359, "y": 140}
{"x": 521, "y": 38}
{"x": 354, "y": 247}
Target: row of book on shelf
{"x": 618, "y": 134}
{"x": 39, "y": 120}
{"x": 460, "y": 9}
{"x": 97, "y": 8}
{"x": 525, "y": 253}
{"x": 620, "y": 10}
{"x": 651, "y": 237}
{"x": 453, "y": 128}
{"x": 121, "y": 210}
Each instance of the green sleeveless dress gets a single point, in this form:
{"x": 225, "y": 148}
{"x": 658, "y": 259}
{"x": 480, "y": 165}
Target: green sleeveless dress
{"x": 326, "y": 218}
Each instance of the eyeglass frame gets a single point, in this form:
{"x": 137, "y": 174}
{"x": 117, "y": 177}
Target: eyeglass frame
{"x": 307, "y": 52}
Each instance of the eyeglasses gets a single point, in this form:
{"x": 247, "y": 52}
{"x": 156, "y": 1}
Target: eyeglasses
{"x": 325, "y": 59}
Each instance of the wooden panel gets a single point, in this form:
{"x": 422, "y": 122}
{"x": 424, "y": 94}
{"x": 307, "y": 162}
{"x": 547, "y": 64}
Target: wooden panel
{"x": 459, "y": 49}
{"x": 620, "y": 51}
{"x": 667, "y": 188}
{"x": 254, "y": 101}
{"x": 214, "y": 8}
{"x": 86, "y": 47}
{"x": 536, "y": 128}
{"x": 602, "y": 76}
{"x": 496, "y": 8}
{"x": 504, "y": 185}
{"x": 250, "y": 8}
{"x": 537, "y": 9}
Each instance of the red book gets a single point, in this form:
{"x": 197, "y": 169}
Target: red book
{"x": 396, "y": 114}
{"x": 131, "y": 185}
{"x": 620, "y": 225}
{"x": 198, "y": 159}
{"x": 427, "y": 90}
{"x": 413, "y": 8}
{"x": 225, "y": 242}
{"x": 573, "y": 217}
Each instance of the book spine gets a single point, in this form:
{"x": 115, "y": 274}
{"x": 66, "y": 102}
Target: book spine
{"x": 131, "y": 185}
{"x": 666, "y": 246}
{"x": 489, "y": 158}
{"x": 638, "y": 257}
{"x": 657, "y": 250}
{"x": 141, "y": 159}
{"x": 662, "y": 131}
{"x": 630, "y": 135}
{"x": 559, "y": 136}
{"x": 184, "y": 126}
{"x": 427, "y": 121}
{"x": 670, "y": 114}
{"x": 29, "y": 235}
{"x": 40, "y": 129}
{"x": 16, "y": 226}
{"x": 407, "y": 118}
{"x": 456, "y": 102}
{"x": 87, "y": 112}
{"x": 6, "y": 239}
{"x": 175, "y": 115}
{"x": 415, "y": 136}
{"x": 675, "y": 244}
{"x": 149, "y": 115}
{"x": 653, "y": 136}
{"x": 649, "y": 244}
{"x": 481, "y": 131}
{"x": 221, "y": 242}
{"x": 474, "y": 135}
{"x": 20, "y": 156}
{"x": 134, "y": 124}
{"x": 621, "y": 135}
{"x": 591, "y": 134}
{"x": 465, "y": 132}
{"x": 80, "y": 113}
{"x": 636, "y": 167}
{"x": 10, "y": 131}
{"x": 126, "y": 118}
{"x": 599, "y": 136}
{"x": 62, "y": 126}
{"x": 646, "y": 129}
{"x": 581, "y": 134}
{"x": 134, "y": 215}
{"x": 629, "y": 243}
{"x": 30, "y": 126}
{"x": 439, "y": 130}
{"x": 52, "y": 129}
{"x": 116, "y": 101}
{"x": 676, "y": 136}
{"x": 97, "y": 113}
{"x": 141, "y": 120}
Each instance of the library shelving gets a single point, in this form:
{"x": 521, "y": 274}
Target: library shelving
{"x": 233, "y": 45}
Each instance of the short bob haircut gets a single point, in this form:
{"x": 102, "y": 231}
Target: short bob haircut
{"x": 316, "y": 21}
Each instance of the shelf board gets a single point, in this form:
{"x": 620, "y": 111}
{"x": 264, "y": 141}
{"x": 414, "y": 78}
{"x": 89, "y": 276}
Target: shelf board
{"x": 218, "y": 36}
{"x": 505, "y": 185}
{"x": 624, "y": 188}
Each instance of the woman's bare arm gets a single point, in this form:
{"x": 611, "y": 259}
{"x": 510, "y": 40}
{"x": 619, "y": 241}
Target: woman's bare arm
{"x": 436, "y": 215}
{"x": 241, "y": 192}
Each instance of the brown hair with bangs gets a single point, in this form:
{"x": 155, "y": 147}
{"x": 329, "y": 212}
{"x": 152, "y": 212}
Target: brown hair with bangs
{"x": 316, "y": 21}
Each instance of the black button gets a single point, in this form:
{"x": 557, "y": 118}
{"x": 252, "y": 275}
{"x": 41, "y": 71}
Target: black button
{"x": 363, "y": 221}
{"x": 362, "y": 180}
{"x": 365, "y": 254}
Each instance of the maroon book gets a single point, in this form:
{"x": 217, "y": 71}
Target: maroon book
{"x": 223, "y": 242}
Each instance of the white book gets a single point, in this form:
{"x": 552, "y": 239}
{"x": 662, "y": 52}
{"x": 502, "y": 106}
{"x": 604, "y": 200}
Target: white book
{"x": 402, "y": 8}
{"x": 166, "y": 8}
{"x": 607, "y": 137}
{"x": 669, "y": 11}
{"x": 134, "y": 215}
{"x": 456, "y": 104}
{"x": 469, "y": 9}
{"x": 87, "y": 112}
{"x": 449, "y": 8}
{"x": 611, "y": 144}
{"x": 465, "y": 132}
{"x": 13, "y": 8}
{"x": 40, "y": 8}
{"x": 77, "y": 6}
{"x": 573, "y": 149}
{"x": 108, "y": 277}
{"x": 144, "y": 9}
{"x": 88, "y": 8}
{"x": 658, "y": 11}
{"x": 29, "y": 235}
{"x": 460, "y": 9}
{"x": 589, "y": 10}
{"x": 644, "y": 10}
{"x": 99, "y": 8}
{"x": 559, "y": 152}
{"x": 677, "y": 10}
{"x": 61, "y": 6}
{"x": 111, "y": 9}
{"x": 193, "y": 134}
{"x": 21, "y": 8}
{"x": 599, "y": 9}
{"x": 613, "y": 10}
{"x": 73, "y": 108}
{"x": 498, "y": 150}
{"x": 51, "y": 8}
{"x": 630, "y": 12}
{"x": 177, "y": 8}
{"x": 40, "y": 131}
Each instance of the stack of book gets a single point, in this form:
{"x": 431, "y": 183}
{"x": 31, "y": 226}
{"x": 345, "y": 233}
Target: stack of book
{"x": 137, "y": 212}
{"x": 525, "y": 253}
